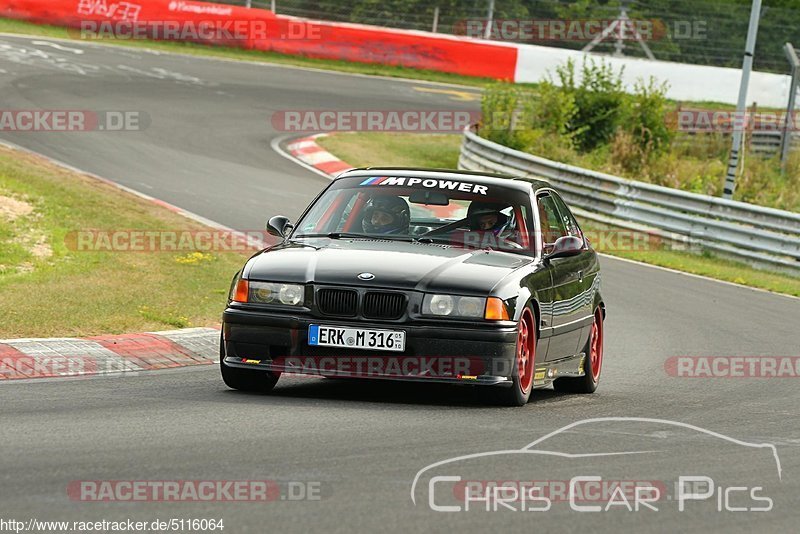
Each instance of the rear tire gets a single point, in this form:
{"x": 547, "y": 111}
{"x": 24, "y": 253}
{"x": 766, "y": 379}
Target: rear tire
{"x": 593, "y": 364}
{"x": 245, "y": 379}
{"x": 522, "y": 380}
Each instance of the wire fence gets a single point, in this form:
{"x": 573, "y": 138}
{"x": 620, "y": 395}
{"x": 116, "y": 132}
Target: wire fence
{"x": 711, "y": 32}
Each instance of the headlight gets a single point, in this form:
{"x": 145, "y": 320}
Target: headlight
{"x": 290, "y": 294}
{"x": 270, "y": 293}
{"x": 264, "y": 293}
{"x": 471, "y": 306}
{"x": 441, "y": 305}
{"x": 453, "y": 306}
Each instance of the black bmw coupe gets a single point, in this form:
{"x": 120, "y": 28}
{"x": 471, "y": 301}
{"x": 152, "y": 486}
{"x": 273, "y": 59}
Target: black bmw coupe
{"x": 422, "y": 275}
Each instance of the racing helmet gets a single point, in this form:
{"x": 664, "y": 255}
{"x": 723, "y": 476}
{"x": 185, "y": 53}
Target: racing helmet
{"x": 478, "y": 212}
{"x": 387, "y": 214}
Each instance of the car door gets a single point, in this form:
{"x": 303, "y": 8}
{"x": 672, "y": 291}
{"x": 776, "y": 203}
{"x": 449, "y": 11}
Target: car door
{"x": 567, "y": 290}
{"x": 586, "y": 264}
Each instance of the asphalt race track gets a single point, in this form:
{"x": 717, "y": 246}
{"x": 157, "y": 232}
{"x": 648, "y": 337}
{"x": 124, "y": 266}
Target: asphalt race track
{"x": 359, "y": 445}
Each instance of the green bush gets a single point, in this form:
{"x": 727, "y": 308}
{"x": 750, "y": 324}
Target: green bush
{"x": 599, "y": 100}
{"x": 592, "y": 123}
{"x": 498, "y": 107}
{"x": 554, "y": 110}
{"x": 646, "y": 118}
{"x": 585, "y": 115}
{"x": 522, "y": 119}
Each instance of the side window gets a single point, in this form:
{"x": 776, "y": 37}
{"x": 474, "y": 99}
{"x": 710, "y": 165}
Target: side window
{"x": 326, "y": 215}
{"x": 348, "y": 209}
{"x": 553, "y": 225}
{"x": 320, "y": 209}
{"x": 566, "y": 216}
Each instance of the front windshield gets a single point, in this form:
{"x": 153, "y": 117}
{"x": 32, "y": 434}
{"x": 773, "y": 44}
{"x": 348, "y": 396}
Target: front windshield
{"x": 433, "y": 210}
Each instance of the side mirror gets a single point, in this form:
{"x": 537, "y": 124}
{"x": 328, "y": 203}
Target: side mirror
{"x": 278, "y": 225}
{"x": 566, "y": 246}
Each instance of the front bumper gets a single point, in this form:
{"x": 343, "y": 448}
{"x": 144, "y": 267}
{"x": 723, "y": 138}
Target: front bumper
{"x": 278, "y": 342}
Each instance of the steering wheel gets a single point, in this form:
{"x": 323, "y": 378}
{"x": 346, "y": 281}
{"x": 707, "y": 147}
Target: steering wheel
{"x": 444, "y": 229}
{"x": 511, "y": 244}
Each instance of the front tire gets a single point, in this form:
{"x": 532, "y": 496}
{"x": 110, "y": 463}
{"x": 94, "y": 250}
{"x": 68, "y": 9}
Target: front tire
{"x": 522, "y": 380}
{"x": 593, "y": 365}
{"x": 253, "y": 381}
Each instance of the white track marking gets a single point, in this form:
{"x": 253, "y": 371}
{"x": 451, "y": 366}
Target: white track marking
{"x": 244, "y": 61}
{"x": 178, "y": 210}
{"x": 57, "y": 46}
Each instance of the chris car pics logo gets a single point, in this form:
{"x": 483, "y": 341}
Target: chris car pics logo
{"x": 536, "y": 478}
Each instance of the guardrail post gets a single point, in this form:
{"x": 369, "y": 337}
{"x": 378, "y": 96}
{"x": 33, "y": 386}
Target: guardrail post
{"x": 789, "y": 122}
{"x": 747, "y": 66}
{"x": 489, "y": 20}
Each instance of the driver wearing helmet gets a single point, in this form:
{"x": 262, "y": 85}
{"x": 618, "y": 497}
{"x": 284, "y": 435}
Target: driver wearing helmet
{"x": 386, "y": 215}
{"x": 486, "y": 217}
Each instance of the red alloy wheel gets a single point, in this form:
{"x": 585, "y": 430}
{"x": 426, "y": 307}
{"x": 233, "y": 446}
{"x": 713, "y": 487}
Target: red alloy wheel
{"x": 526, "y": 350}
{"x": 596, "y": 356}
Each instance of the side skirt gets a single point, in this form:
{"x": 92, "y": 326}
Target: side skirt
{"x": 547, "y": 372}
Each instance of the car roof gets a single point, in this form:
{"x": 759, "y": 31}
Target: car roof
{"x": 482, "y": 178}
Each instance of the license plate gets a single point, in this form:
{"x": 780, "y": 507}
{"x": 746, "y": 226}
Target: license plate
{"x": 356, "y": 338}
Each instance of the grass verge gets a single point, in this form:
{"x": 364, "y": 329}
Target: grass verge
{"x": 438, "y": 151}
{"x": 419, "y": 150}
{"x": 27, "y": 28}
{"x": 50, "y": 288}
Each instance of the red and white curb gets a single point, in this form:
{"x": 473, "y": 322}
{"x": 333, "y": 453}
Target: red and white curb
{"x": 107, "y": 355}
{"x": 311, "y": 154}
{"x": 111, "y": 354}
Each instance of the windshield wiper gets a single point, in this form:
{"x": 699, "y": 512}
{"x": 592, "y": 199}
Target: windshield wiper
{"x": 351, "y": 235}
{"x": 332, "y": 235}
{"x": 429, "y": 240}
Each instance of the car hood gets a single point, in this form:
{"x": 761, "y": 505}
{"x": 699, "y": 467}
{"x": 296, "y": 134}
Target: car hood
{"x": 394, "y": 264}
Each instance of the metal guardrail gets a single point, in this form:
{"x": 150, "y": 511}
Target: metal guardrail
{"x": 769, "y": 142}
{"x": 760, "y": 236}
{"x": 764, "y": 143}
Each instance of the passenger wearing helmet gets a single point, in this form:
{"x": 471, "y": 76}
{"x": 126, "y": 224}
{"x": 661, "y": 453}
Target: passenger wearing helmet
{"x": 386, "y": 215}
{"x": 486, "y": 217}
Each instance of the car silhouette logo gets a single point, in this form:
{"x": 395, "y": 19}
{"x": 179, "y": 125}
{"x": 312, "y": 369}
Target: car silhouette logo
{"x": 366, "y": 276}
